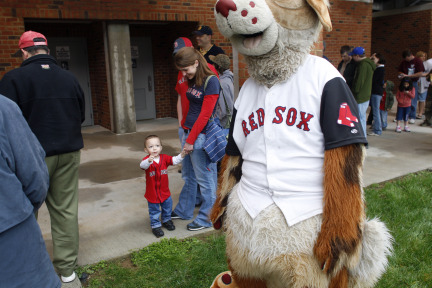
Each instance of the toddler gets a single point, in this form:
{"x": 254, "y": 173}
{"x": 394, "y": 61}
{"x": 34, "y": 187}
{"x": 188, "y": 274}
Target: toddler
{"x": 157, "y": 192}
{"x": 404, "y": 95}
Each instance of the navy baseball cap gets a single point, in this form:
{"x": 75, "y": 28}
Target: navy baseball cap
{"x": 357, "y": 51}
{"x": 204, "y": 30}
{"x": 180, "y": 43}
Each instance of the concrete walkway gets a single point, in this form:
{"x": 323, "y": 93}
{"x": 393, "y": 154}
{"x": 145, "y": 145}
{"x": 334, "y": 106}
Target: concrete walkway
{"x": 113, "y": 214}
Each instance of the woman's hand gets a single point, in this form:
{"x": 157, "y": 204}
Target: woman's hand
{"x": 188, "y": 148}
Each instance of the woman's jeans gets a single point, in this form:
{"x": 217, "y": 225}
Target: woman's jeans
{"x": 375, "y": 103}
{"x": 155, "y": 212}
{"x": 197, "y": 168}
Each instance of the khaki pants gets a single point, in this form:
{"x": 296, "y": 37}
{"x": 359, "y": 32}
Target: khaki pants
{"x": 62, "y": 204}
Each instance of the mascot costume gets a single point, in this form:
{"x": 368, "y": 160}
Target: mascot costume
{"x": 290, "y": 196}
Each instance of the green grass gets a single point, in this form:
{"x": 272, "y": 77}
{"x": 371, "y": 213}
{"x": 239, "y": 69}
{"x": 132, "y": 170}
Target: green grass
{"x": 405, "y": 205}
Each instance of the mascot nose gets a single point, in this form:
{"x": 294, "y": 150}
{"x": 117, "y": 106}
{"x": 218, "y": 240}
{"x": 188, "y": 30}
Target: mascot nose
{"x": 224, "y": 6}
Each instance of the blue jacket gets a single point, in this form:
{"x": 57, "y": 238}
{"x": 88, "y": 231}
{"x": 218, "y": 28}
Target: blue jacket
{"x": 23, "y": 172}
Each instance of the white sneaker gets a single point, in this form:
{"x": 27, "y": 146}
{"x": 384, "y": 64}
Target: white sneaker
{"x": 76, "y": 283}
{"x": 411, "y": 121}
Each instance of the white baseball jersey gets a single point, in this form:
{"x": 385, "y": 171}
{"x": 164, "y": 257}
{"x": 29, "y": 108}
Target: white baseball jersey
{"x": 282, "y": 132}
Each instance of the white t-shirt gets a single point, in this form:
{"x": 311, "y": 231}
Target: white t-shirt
{"x": 282, "y": 132}
{"x": 423, "y": 84}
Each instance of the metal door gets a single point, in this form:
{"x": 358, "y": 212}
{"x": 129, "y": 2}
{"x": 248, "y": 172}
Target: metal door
{"x": 71, "y": 54}
{"x": 142, "y": 67}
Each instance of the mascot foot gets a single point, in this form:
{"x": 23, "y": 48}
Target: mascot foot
{"x": 224, "y": 280}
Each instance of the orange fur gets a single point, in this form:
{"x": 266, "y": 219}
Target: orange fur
{"x": 228, "y": 177}
{"x": 340, "y": 280}
{"x": 343, "y": 206}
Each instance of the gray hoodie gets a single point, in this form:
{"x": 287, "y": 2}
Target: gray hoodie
{"x": 226, "y": 80}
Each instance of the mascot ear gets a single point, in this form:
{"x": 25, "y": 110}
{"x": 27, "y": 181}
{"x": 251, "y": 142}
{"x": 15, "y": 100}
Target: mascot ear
{"x": 322, "y": 10}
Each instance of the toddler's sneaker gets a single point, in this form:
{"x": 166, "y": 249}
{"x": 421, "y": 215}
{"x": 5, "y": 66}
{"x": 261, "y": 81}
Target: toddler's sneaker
{"x": 169, "y": 225}
{"x": 398, "y": 129}
{"x": 407, "y": 129}
{"x": 158, "y": 232}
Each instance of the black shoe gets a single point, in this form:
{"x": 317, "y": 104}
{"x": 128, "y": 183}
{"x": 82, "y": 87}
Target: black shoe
{"x": 195, "y": 226}
{"x": 169, "y": 225}
{"x": 158, "y": 232}
{"x": 174, "y": 215}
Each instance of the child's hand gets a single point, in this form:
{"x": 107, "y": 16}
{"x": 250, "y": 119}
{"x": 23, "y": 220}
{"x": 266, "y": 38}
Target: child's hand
{"x": 150, "y": 159}
{"x": 183, "y": 153}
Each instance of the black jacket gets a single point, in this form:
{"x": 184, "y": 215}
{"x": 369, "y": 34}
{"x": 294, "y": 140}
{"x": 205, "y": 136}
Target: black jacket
{"x": 51, "y": 101}
{"x": 378, "y": 81}
{"x": 349, "y": 72}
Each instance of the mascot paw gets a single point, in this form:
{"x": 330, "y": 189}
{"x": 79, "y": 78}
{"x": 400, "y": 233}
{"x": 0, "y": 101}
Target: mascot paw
{"x": 224, "y": 280}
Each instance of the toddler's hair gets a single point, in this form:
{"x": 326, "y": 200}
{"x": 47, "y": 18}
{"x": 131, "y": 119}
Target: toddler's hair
{"x": 401, "y": 85}
{"x": 151, "y": 137}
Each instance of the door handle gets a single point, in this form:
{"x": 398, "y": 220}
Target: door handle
{"x": 149, "y": 83}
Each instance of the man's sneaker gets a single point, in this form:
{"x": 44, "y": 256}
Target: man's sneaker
{"x": 398, "y": 129}
{"x": 158, "y": 232}
{"x": 174, "y": 215}
{"x": 407, "y": 129}
{"x": 373, "y": 134}
{"x": 76, "y": 283}
{"x": 411, "y": 121}
{"x": 169, "y": 225}
{"x": 195, "y": 226}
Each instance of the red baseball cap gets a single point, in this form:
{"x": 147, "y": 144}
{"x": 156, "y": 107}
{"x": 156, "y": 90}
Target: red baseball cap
{"x": 180, "y": 43}
{"x": 29, "y": 39}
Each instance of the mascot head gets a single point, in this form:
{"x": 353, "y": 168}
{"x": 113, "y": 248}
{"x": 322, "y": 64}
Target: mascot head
{"x": 270, "y": 33}
{"x": 254, "y": 26}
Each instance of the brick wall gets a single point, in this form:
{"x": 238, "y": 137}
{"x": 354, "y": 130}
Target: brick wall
{"x": 352, "y": 25}
{"x": 394, "y": 33}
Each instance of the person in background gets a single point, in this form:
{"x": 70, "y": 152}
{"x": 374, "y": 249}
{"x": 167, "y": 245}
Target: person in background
{"x": 53, "y": 104}
{"x": 377, "y": 93}
{"x": 404, "y": 96}
{"x": 362, "y": 85}
{"x": 24, "y": 184}
{"x": 157, "y": 192}
{"x": 386, "y": 102}
{"x": 222, "y": 64}
{"x": 204, "y": 36}
{"x": 347, "y": 66}
{"x": 423, "y": 84}
{"x": 202, "y": 105}
{"x": 411, "y": 67}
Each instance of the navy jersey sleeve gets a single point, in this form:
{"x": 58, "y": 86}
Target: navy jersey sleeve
{"x": 231, "y": 148}
{"x": 339, "y": 117}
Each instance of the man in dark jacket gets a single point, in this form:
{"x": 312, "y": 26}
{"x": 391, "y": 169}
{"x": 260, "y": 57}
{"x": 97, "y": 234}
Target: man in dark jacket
{"x": 347, "y": 66}
{"x": 52, "y": 102}
{"x": 377, "y": 93}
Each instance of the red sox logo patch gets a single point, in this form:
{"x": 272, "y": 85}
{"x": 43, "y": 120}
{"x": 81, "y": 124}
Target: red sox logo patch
{"x": 345, "y": 116}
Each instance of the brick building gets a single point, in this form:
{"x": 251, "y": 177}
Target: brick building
{"x": 96, "y": 41}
